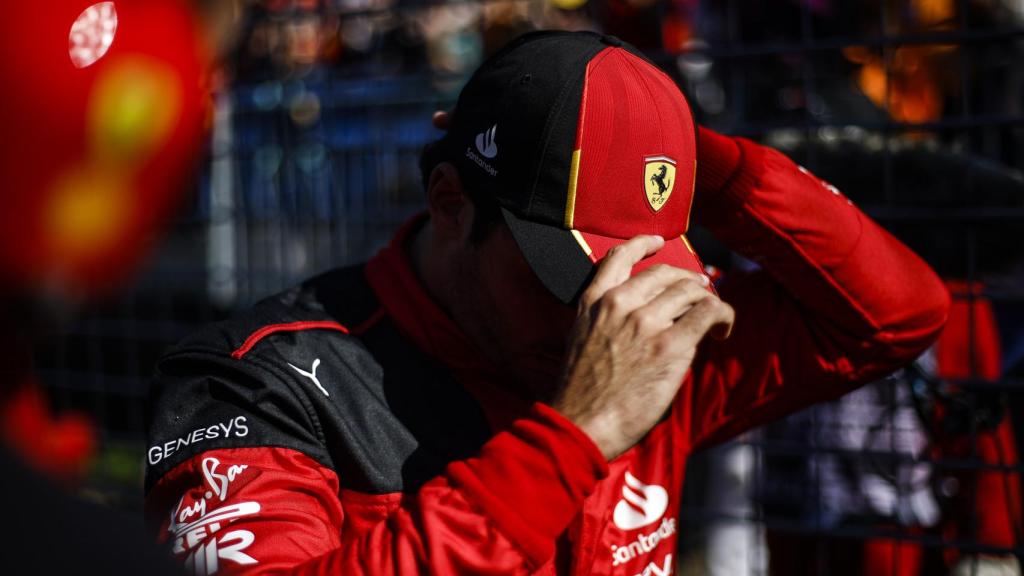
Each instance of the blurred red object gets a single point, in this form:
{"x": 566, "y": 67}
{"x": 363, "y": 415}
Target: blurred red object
{"x": 103, "y": 113}
{"x": 103, "y": 109}
{"x": 61, "y": 447}
{"x": 988, "y": 509}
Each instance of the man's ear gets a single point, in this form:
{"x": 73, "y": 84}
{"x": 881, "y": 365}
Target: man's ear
{"x": 451, "y": 211}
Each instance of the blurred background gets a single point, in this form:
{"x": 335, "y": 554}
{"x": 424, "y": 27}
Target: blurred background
{"x": 913, "y": 108}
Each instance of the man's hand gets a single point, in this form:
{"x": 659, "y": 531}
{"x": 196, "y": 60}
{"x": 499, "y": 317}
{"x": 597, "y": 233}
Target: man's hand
{"x": 632, "y": 344}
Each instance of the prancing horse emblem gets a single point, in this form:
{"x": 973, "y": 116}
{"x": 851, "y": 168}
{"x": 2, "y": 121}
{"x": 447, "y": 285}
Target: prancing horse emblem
{"x": 659, "y": 175}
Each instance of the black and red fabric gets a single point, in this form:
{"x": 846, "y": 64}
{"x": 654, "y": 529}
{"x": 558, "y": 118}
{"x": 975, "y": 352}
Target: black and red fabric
{"x": 392, "y": 449}
{"x": 584, "y": 144}
{"x": 632, "y": 116}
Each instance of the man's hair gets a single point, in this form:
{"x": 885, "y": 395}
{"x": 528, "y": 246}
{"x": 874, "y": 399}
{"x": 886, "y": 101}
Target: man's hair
{"x": 487, "y": 214}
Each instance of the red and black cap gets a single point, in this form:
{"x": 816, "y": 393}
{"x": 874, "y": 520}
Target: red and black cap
{"x": 583, "y": 143}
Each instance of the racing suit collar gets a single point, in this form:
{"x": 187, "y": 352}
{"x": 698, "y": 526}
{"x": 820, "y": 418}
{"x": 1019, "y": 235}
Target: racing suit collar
{"x": 418, "y": 317}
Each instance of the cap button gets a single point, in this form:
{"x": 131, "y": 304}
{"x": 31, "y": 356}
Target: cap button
{"x": 611, "y": 41}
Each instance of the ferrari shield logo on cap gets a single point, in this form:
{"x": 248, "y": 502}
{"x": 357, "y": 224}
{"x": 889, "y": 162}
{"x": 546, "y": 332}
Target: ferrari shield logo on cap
{"x": 659, "y": 178}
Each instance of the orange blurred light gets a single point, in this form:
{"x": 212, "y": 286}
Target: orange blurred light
{"x": 911, "y": 91}
{"x": 933, "y": 12}
{"x": 87, "y": 208}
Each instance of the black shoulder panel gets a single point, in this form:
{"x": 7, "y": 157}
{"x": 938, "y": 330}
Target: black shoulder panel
{"x": 317, "y": 369}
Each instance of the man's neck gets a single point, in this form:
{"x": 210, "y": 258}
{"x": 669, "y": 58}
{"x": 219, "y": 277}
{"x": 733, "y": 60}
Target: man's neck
{"x": 426, "y": 268}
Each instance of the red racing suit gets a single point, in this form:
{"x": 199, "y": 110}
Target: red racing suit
{"x": 348, "y": 427}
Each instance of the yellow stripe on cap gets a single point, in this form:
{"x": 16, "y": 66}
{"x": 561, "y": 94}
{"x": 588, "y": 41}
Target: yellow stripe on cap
{"x": 688, "y": 245}
{"x": 570, "y": 201}
{"x": 693, "y": 191}
{"x": 582, "y": 242}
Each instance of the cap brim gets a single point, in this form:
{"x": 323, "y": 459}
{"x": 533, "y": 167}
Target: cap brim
{"x": 565, "y": 260}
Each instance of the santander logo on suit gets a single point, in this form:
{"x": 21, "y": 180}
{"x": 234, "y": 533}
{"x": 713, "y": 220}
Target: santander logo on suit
{"x": 643, "y": 505}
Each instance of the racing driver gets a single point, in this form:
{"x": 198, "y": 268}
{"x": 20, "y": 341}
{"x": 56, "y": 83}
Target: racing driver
{"x": 514, "y": 384}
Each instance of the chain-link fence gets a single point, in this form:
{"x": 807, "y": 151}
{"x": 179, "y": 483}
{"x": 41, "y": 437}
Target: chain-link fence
{"x": 912, "y": 108}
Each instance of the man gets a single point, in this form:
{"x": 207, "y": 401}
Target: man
{"x": 513, "y": 385}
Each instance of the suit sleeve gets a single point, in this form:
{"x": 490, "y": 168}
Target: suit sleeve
{"x": 266, "y": 499}
{"x": 836, "y": 303}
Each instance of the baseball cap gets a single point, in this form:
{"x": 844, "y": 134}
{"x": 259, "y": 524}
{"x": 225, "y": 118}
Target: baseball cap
{"x": 583, "y": 143}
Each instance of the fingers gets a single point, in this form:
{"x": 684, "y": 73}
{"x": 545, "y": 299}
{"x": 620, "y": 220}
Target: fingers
{"x": 707, "y": 314}
{"x": 630, "y": 297}
{"x": 652, "y": 281}
{"x": 662, "y": 311}
{"x": 618, "y": 265}
{"x": 722, "y": 329}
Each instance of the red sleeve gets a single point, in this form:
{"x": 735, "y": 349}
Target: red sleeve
{"x": 837, "y": 303}
{"x": 267, "y": 510}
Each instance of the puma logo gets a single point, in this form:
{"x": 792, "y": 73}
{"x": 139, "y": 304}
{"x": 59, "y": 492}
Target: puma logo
{"x": 311, "y": 375}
